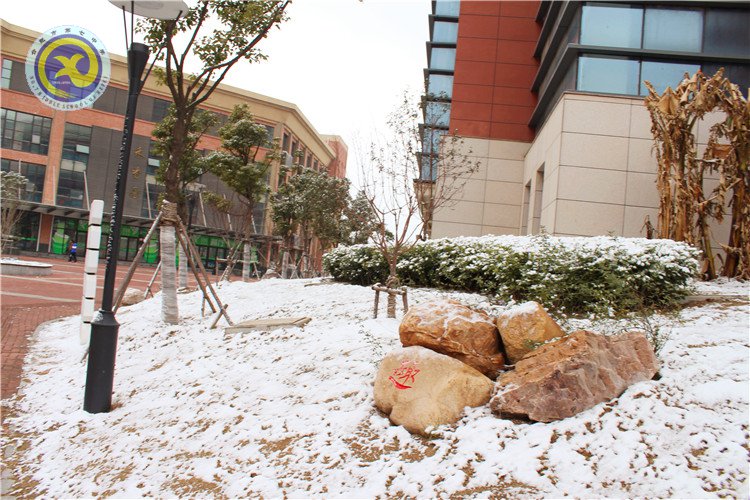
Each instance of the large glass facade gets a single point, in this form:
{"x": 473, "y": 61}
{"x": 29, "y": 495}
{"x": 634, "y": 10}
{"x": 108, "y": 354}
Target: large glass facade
{"x": 662, "y": 74}
{"x": 440, "y": 86}
{"x": 611, "y": 25}
{"x": 7, "y": 71}
{"x": 444, "y": 32}
{"x": 437, "y": 114}
{"x": 34, "y": 174}
{"x": 727, "y": 31}
{"x": 25, "y": 132}
{"x": 447, "y": 8}
{"x": 679, "y": 30}
{"x": 71, "y": 187}
{"x": 608, "y": 75}
{"x": 442, "y": 59}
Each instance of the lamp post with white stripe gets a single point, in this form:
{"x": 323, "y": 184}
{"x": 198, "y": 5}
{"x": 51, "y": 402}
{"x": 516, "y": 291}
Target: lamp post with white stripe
{"x": 104, "y": 326}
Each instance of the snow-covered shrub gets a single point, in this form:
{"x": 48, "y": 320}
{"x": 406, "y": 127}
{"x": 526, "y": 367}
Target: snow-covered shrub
{"x": 569, "y": 275}
{"x": 357, "y": 264}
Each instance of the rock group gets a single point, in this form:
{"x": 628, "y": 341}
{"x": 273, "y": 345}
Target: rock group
{"x": 521, "y": 362}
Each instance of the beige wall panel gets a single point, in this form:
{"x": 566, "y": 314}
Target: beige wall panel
{"x": 508, "y": 150}
{"x": 641, "y": 157}
{"x": 452, "y": 229}
{"x": 547, "y": 220}
{"x": 641, "y": 190}
{"x": 704, "y": 126}
{"x": 588, "y": 219}
{"x": 462, "y": 212}
{"x": 501, "y": 215}
{"x": 640, "y": 122}
{"x": 507, "y": 193}
{"x": 591, "y": 184}
{"x": 595, "y": 151}
{"x": 601, "y": 118}
{"x": 635, "y": 217}
{"x": 475, "y": 147}
{"x": 473, "y": 190}
{"x": 504, "y": 170}
{"x": 499, "y": 230}
{"x": 551, "y": 191}
{"x": 552, "y": 155}
{"x": 481, "y": 171}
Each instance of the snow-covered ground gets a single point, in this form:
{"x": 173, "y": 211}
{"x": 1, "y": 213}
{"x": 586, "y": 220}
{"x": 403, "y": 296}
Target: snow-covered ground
{"x": 198, "y": 412}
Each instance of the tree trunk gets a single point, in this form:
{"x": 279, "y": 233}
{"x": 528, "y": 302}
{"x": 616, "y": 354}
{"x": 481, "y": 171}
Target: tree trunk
{"x": 392, "y": 282}
{"x": 246, "y": 262}
{"x": 183, "y": 267}
{"x": 169, "y": 312}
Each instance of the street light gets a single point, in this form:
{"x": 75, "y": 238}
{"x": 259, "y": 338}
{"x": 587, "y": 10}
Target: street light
{"x": 104, "y": 327}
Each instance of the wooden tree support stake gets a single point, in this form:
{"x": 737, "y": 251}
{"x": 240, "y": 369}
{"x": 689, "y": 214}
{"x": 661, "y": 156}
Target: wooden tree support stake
{"x": 136, "y": 260}
{"x": 378, "y": 287}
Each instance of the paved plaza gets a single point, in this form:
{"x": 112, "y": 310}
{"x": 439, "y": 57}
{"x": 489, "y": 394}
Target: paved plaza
{"x": 28, "y": 301}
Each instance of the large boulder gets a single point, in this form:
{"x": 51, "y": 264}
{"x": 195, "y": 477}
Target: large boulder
{"x": 132, "y": 296}
{"x": 567, "y": 376}
{"x": 419, "y": 388}
{"x": 525, "y": 326}
{"x": 453, "y": 329}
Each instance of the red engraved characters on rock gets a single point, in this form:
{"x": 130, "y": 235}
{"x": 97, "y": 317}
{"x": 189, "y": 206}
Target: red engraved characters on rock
{"x": 404, "y": 375}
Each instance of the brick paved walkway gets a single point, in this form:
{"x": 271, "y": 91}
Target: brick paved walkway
{"x": 27, "y": 302}
{"x": 18, "y": 323}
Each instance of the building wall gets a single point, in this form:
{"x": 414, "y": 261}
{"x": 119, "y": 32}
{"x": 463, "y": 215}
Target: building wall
{"x": 490, "y": 201}
{"x": 598, "y": 169}
{"x": 105, "y": 118}
{"x": 495, "y": 67}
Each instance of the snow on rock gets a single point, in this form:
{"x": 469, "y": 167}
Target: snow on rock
{"x": 290, "y": 413}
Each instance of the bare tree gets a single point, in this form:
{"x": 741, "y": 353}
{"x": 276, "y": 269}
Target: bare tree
{"x": 404, "y": 186}
{"x": 445, "y": 161}
{"x": 12, "y": 187}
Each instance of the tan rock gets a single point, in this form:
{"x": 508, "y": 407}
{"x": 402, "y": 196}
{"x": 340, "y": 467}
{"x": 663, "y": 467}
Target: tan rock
{"x": 524, "y": 326}
{"x": 453, "y": 329}
{"x": 419, "y": 388}
{"x": 132, "y": 296}
{"x": 570, "y": 375}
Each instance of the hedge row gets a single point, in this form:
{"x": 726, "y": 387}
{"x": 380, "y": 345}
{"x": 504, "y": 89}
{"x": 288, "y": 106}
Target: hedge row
{"x": 568, "y": 275}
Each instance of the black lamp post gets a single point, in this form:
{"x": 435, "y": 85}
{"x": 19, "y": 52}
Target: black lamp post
{"x": 104, "y": 327}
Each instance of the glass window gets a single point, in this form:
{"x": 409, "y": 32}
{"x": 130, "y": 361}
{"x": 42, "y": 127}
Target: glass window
{"x": 150, "y": 201}
{"x": 438, "y": 114}
{"x": 727, "y": 32}
{"x": 428, "y": 167}
{"x": 25, "y": 132}
{"x": 444, "y": 59}
{"x": 444, "y": 32}
{"x": 680, "y": 30}
{"x": 431, "y": 139}
{"x": 285, "y": 143}
{"x": 71, "y": 187}
{"x": 159, "y": 111}
{"x": 664, "y": 74}
{"x": 611, "y": 26}
{"x": 6, "y": 73}
{"x": 608, "y": 75}
{"x": 440, "y": 86}
{"x": 269, "y": 132}
{"x": 34, "y": 174}
{"x": 447, "y": 8}
{"x": 736, "y": 73}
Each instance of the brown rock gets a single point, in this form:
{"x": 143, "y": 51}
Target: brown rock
{"x": 451, "y": 328}
{"x": 567, "y": 376}
{"x": 523, "y": 326}
{"x": 419, "y": 388}
{"x": 132, "y": 296}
